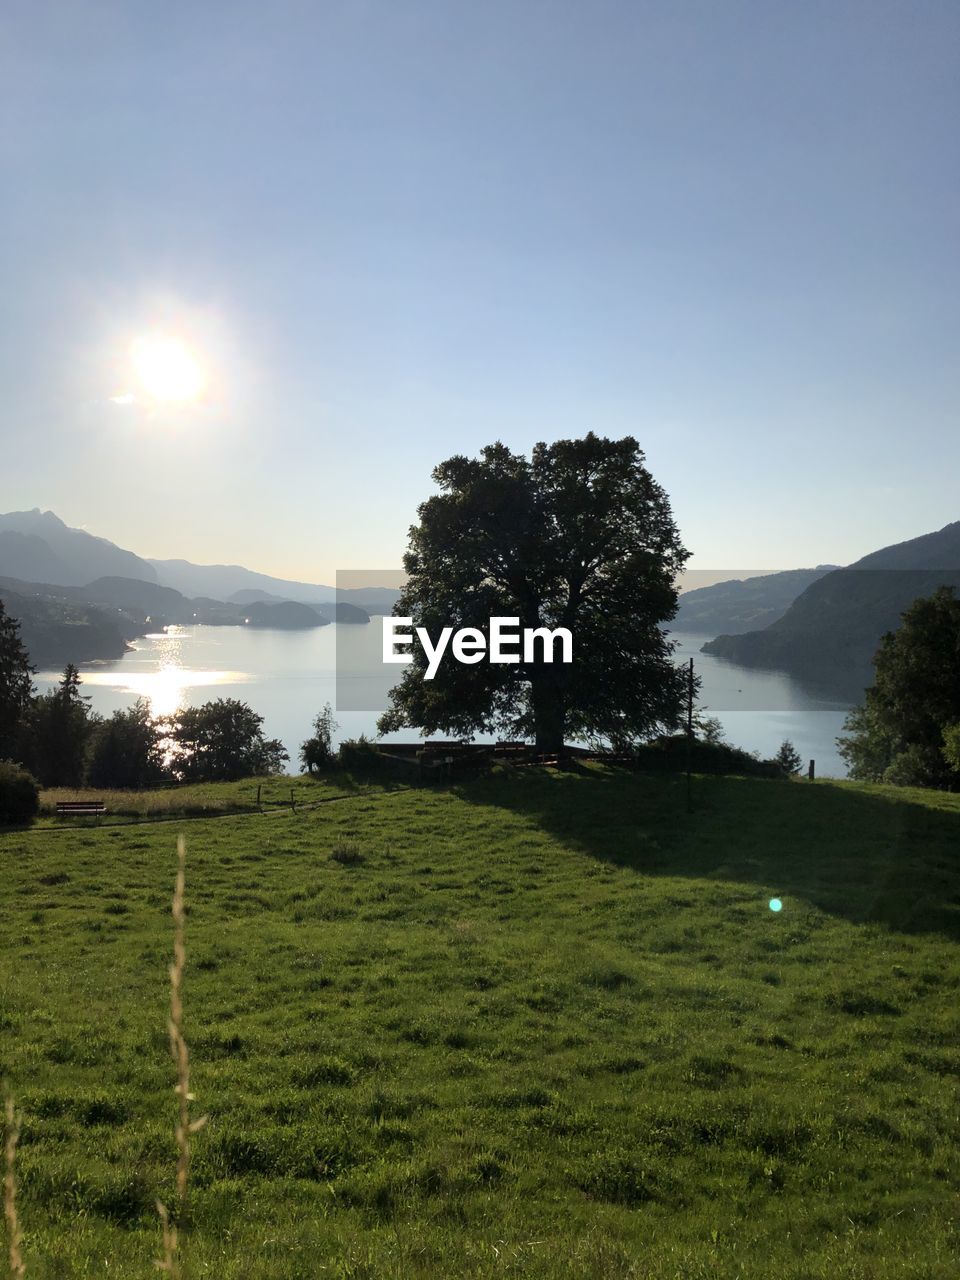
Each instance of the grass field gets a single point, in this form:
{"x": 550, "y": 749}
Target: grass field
{"x": 535, "y": 1025}
{"x": 199, "y": 799}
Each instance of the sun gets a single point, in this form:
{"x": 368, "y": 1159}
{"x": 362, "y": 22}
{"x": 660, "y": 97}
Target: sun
{"x": 166, "y": 368}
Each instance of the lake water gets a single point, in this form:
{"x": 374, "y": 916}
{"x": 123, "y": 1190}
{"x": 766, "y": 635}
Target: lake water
{"x": 287, "y": 676}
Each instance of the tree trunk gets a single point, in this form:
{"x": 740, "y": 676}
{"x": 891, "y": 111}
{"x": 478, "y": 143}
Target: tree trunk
{"x": 549, "y": 715}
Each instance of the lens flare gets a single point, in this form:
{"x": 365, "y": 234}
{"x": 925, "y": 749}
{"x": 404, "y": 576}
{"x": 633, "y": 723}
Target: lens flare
{"x": 775, "y": 904}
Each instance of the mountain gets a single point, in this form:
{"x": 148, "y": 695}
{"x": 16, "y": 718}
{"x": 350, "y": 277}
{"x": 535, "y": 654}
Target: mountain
{"x": 743, "y": 604}
{"x": 831, "y": 631}
{"x": 36, "y": 546}
{"x": 250, "y": 595}
{"x": 234, "y": 583}
{"x": 47, "y": 550}
{"x": 131, "y": 593}
{"x": 224, "y": 581}
{"x": 28, "y": 558}
{"x": 288, "y": 615}
{"x": 56, "y": 628}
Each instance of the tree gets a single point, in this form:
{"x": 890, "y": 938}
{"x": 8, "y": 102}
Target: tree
{"x": 951, "y": 746}
{"x": 788, "y": 757}
{"x": 578, "y": 536}
{"x": 16, "y": 684}
{"x": 711, "y": 730}
{"x": 127, "y": 750}
{"x": 898, "y": 733}
{"x": 56, "y": 732}
{"x": 317, "y": 752}
{"x": 222, "y": 741}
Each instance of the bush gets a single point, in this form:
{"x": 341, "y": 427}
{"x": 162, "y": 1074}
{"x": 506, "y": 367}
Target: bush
{"x": 359, "y": 755}
{"x": 19, "y": 794}
{"x": 669, "y": 754}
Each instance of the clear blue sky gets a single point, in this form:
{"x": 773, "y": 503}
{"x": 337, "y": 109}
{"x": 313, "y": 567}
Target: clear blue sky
{"x": 395, "y": 230}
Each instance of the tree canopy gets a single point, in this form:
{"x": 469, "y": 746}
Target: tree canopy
{"x": 903, "y": 732}
{"x": 221, "y": 741}
{"x": 580, "y": 536}
{"x": 127, "y": 750}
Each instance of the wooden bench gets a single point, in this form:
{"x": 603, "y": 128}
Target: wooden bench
{"x": 81, "y": 808}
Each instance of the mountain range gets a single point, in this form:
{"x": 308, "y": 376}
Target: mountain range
{"x": 36, "y": 546}
{"x": 80, "y": 598}
{"x": 831, "y": 631}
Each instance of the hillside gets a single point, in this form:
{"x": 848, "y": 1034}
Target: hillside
{"x": 831, "y": 631}
{"x": 36, "y": 546}
{"x": 740, "y": 605}
{"x": 232, "y": 582}
{"x": 56, "y": 628}
{"x": 521, "y": 1027}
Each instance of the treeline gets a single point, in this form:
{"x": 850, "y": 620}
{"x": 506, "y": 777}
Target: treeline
{"x": 63, "y": 743}
{"x": 54, "y": 739}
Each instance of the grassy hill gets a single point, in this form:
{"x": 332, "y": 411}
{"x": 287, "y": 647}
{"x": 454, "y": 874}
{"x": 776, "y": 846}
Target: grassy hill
{"x": 535, "y": 1026}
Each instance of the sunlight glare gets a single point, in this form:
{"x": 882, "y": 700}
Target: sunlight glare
{"x": 167, "y": 369}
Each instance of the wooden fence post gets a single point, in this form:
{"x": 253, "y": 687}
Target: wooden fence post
{"x": 811, "y": 772}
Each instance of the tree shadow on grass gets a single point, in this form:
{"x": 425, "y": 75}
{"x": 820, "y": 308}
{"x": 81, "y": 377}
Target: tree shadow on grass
{"x": 866, "y": 856}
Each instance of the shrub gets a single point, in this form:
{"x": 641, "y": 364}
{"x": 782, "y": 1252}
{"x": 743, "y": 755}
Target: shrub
{"x": 19, "y": 794}
{"x": 669, "y": 754}
{"x": 359, "y": 755}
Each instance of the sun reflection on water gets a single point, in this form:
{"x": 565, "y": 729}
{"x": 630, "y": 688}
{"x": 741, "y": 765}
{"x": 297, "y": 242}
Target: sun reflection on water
{"x": 164, "y": 684}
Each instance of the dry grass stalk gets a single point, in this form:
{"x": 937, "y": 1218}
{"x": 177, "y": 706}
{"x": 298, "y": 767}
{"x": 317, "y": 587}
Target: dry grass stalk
{"x": 178, "y": 1049}
{"x": 14, "y": 1238}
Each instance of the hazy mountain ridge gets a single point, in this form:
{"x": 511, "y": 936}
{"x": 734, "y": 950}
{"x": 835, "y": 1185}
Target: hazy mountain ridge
{"x": 743, "y": 604}
{"x": 72, "y": 556}
{"x": 831, "y": 631}
{"x": 61, "y": 624}
{"x": 37, "y": 546}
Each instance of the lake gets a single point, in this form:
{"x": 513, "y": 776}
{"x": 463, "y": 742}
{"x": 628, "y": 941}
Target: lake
{"x": 287, "y": 676}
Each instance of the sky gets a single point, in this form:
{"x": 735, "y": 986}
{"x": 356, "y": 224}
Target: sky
{"x": 390, "y": 231}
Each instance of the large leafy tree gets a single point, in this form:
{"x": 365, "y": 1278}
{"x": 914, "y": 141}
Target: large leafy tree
{"x": 580, "y": 536}
{"x": 903, "y": 732}
{"x": 16, "y": 684}
{"x": 221, "y": 741}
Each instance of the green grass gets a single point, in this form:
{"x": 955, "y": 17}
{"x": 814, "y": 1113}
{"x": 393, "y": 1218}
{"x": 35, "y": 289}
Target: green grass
{"x": 534, "y": 1026}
